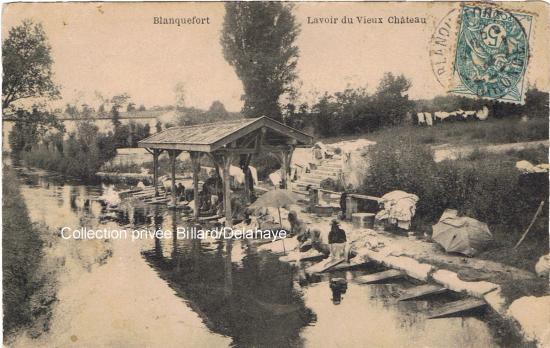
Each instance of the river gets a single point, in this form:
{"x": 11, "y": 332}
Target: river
{"x": 181, "y": 292}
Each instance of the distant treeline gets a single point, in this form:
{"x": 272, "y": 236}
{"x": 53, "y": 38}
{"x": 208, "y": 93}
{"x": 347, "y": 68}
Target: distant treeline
{"x": 186, "y": 116}
{"x": 354, "y": 111}
{"x": 40, "y": 139}
{"x": 536, "y": 105}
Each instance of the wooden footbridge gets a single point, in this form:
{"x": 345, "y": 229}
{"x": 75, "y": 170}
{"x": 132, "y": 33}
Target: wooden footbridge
{"x": 226, "y": 142}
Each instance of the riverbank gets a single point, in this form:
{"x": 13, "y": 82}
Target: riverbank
{"x": 502, "y": 286}
{"x": 105, "y": 292}
{"x": 28, "y": 271}
{"x": 167, "y": 292}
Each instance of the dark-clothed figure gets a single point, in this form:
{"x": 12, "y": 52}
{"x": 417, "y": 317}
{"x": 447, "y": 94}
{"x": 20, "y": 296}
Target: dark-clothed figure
{"x": 337, "y": 240}
{"x": 297, "y": 226}
{"x": 180, "y": 191}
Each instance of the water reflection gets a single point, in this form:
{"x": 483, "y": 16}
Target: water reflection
{"x": 252, "y": 297}
{"x": 255, "y": 302}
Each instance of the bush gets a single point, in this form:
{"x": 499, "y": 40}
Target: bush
{"x": 484, "y": 186}
{"x": 407, "y": 166}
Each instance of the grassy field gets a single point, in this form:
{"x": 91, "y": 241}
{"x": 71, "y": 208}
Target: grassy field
{"x": 492, "y": 131}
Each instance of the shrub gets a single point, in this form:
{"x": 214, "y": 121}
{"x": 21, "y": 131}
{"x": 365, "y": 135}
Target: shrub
{"x": 480, "y": 186}
{"x": 403, "y": 165}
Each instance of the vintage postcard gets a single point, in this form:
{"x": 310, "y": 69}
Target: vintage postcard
{"x": 275, "y": 174}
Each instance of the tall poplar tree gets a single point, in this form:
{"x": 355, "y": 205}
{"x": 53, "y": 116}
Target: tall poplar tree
{"x": 258, "y": 40}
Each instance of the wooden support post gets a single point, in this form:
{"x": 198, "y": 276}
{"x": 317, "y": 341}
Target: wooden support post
{"x": 284, "y": 171}
{"x": 351, "y": 207}
{"x": 313, "y": 198}
{"x": 286, "y": 158}
{"x": 156, "y": 171}
{"x": 196, "y": 166}
{"x": 173, "y": 156}
{"x": 244, "y": 164}
{"x": 225, "y": 165}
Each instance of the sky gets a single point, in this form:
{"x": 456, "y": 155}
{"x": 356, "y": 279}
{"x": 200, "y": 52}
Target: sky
{"x": 116, "y": 48}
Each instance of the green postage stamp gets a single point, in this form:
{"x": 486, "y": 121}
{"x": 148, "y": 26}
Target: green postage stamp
{"x": 492, "y": 54}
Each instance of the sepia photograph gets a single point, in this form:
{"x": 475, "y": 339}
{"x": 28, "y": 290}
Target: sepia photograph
{"x": 275, "y": 174}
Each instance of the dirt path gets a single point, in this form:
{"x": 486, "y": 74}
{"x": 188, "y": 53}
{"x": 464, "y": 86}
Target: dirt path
{"x": 122, "y": 303}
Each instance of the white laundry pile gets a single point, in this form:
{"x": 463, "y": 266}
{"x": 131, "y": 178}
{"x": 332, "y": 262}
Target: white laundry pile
{"x": 441, "y": 115}
{"x": 429, "y": 120}
{"x": 110, "y": 196}
{"x": 421, "y": 118}
{"x": 483, "y": 114}
{"x": 528, "y": 167}
{"x": 275, "y": 178}
{"x": 399, "y": 208}
{"x": 238, "y": 174}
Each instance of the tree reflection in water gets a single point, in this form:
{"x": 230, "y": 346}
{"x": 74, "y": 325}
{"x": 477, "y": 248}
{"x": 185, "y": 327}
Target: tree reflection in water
{"x": 255, "y": 303}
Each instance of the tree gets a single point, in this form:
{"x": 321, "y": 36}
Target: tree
{"x": 258, "y": 41}
{"x": 71, "y": 110}
{"x": 391, "y": 99}
{"x": 131, "y": 107}
{"x": 117, "y": 101}
{"x": 536, "y": 103}
{"x": 27, "y": 64}
{"x": 29, "y": 127}
{"x": 217, "y": 111}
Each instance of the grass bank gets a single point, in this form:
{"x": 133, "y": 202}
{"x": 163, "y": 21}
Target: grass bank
{"x": 492, "y": 131}
{"x": 28, "y": 292}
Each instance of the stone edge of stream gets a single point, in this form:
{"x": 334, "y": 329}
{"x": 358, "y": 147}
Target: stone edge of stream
{"x": 487, "y": 291}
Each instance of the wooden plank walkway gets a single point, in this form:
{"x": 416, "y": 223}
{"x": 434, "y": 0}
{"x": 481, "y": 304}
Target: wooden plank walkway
{"x": 422, "y": 291}
{"x": 457, "y": 308}
{"x": 344, "y": 266}
{"x": 323, "y": 266}
{"x": 380, "y": 277}
{"x": 310, "y": 255}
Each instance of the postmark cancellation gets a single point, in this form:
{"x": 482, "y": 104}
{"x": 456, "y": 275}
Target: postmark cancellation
{"x": 491, "y": 54}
